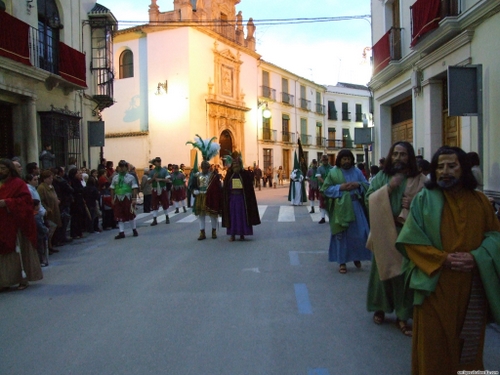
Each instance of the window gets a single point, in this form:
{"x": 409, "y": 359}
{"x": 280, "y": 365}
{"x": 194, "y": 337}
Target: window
{"x": 303, "y": 131}
{"x": 268, "y": 158}
{"x": 332, "y": 112}
{"x": 359, "y": 113}
{"x": 346, "y": 138}
{"x": 266, "y": 129}
{"x": 285, "y": 96}
{"x": 285, "y": 128}
{"x": 266, "y": 90}
{"x": 319, "y": 134}
{"x": 126, "y": 64}
{"x": 331, "y": 137}
{"x": 48, "y": 35}
{"x": 346, "y": 115}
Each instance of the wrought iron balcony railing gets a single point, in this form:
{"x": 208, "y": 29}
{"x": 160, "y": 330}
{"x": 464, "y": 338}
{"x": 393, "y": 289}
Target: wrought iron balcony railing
{"x": 288, "y": 137}
{"x": 268, "y": 92}
{"x": 288, "y": 99}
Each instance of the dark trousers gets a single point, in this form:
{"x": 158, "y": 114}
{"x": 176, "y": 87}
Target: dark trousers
{"x": 147, "y": 203}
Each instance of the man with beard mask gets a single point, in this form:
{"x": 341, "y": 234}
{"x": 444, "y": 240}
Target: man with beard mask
{"x": 240, "y": 211}
{"x": 452, "y": 240}
{"x": 346, "y": 185}
{"x": 388, "y": 200}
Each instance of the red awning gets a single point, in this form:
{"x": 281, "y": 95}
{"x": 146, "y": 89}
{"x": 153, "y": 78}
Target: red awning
{"x": 72, "y": 65}
{"x": 425, "y": 17}
{"x": 14, "y": 39}
{"x": 381, "y": 53}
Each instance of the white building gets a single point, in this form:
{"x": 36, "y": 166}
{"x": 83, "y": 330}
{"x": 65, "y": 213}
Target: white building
{"x": 414, "y": 44}
{"x": 55, "y": 78}
{"x": 184, "y": 73}
{"x": 302, "y": 109}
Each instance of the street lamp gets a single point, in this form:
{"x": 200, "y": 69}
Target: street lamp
{"x": 266, "y": 112}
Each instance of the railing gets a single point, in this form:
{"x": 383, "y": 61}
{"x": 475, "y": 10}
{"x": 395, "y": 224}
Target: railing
{"x": 320, "y": 109}
{"x": 286, "y": 98}
{"x": 346, "y": 116}
{"x": 267, "y": 134}
{"x": 388, "y": 48}
{"x": 305, "y": 104}
{"x": 359, "y": 117}
{"x": 332, "y": 115}
{"x": 320, "y": 141}
{"x": 44, "y": 52}
{"x": 340, "y": 143}
{"x": 268, "y": 92}
{"x": 288, "y": 137}
{"x": 305, "y": 139}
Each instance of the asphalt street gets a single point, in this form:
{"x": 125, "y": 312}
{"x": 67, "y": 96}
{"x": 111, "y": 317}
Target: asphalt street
{"x": 166, "y": 303}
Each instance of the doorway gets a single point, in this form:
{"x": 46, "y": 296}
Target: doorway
{"x": 226, "y": 144}
{"x": 6, "y": 132}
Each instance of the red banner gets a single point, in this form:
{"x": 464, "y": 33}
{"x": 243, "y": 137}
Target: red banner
{"x": 14, "y": 39}
{"x": 72, "y": 65}
{"x": 425, "y": 17}
{"x": 381, "y": 53}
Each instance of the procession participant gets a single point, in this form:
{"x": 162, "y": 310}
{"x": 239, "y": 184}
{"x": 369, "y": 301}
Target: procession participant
{"x": 159, "y": 179}
{"x": 388, "y": 200}
{"x": 297, "y": 189}
{"x": 50, "y": 201}
{"x": 17, "y": 232}
{"x": 206, "y": 186}
{"x": 346, "y": 185}
{"x": 240, "y": 211}
{"x": 178, "y": 189}
{"x": 124, "y": 190}
{"x": 313, "y": 183}
{"x": 452, "y": 238}
{"x": 321, "y": 174}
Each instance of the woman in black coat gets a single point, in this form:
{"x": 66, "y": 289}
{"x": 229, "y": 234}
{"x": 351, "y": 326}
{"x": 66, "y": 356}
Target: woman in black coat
{"x": 77, "y": 210}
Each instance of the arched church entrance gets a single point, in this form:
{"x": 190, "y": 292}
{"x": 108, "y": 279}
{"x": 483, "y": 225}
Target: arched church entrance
{"x": 226, "y": 143}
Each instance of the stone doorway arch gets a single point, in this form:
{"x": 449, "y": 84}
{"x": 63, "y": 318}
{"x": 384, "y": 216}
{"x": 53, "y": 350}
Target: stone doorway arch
{"x": 226, "y": 143}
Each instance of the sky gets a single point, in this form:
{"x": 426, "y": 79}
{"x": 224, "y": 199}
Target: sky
{"x": 326, "y": 52}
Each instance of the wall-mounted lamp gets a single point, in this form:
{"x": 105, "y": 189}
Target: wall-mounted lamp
{"x": 28, "y": 6}
{"x": 162, "y": 88}
{"x": 55, "y": 22}
{"x": 266, "y": 112}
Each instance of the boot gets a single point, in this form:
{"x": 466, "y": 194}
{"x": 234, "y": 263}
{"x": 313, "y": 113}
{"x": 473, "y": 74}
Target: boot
{"x": 135, "y": 232}
{"x": 322, "y": 221}
{"x": 184, "y": 209}
{"x": 214, "y": 233}
{"x": 202, "y": 235}
{"x": 154, "y": 222}
{"x": 176, "y": 210}
{"x": 167, "y": 219}
{"x": 312, "y": 210}
{"x": 120, "y": 236}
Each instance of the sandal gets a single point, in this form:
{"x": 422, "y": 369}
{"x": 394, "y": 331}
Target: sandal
{"x": 357, "y": 263}
{"x": 403, "y": 327}
{"x": 343, "y": 268}
{"x": 22, "y": 286}
{"x": 378, "y": 317}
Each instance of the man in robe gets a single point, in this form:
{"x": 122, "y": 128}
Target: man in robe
{"x": 297, "y": 189}
{"x": 159, "y": 179}
{"x": 345, "y": 185}
{"x": 321, "y": 174}
{"x": 19, "y": 261}
{"x": 124, "y": 190}
{"x": 388, "y": 200}
{"x": 452, "y": 240}
{"x": 240, "y": 211}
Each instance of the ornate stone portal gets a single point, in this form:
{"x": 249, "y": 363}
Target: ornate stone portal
{"x": 226, "y": 106}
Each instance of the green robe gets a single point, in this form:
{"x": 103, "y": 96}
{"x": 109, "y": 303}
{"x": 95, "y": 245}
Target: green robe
{"x": 388, "y": 295}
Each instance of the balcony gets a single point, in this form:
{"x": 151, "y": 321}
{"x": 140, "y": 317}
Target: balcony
{"x": 320, "y": 141}
{"x": 267, "y": 92}
{"x": 339, "y": 143}
{"x": 305, "y": 139}
{"x": 287, "y": 99}
{"x": 288, "y": 137}
{"x": 305, "y": 104}
{"x": 387, "y": 49}
{"x": 426, "y": 15}
{"x": 266, "y": 134}
{"x": 320, "y": 109}
{"x": 332, "y": 115}
{"x": 346, "y": 116}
